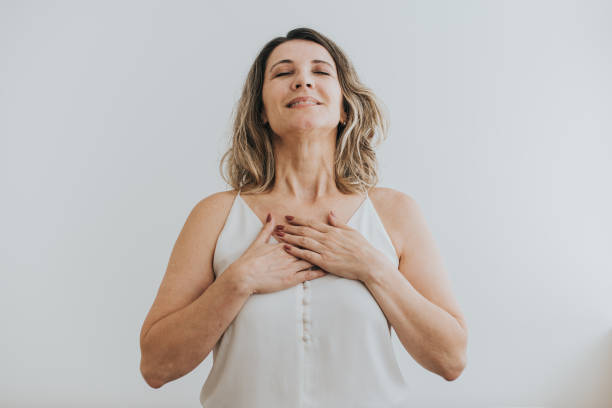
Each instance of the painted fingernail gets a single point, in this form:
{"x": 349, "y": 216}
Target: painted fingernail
{"x": 289, "y": 217}
{"x": 269, "y": 218}
{"x": 280, "y": 227}
{"x": 280, "y": 233}
{"x": 287, "y": 247}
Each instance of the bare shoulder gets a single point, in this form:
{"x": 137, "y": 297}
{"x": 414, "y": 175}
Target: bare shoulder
{"x": 215, "y": 205}
{"x": 393, "y": 208}
{"x": 207, "y": 218}
{"x": 387, "y": 193}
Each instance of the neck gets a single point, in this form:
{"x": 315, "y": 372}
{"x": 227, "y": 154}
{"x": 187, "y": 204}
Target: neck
{"x": 304, "y": 168}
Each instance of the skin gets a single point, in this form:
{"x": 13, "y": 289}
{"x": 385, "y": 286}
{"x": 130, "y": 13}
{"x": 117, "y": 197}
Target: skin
{"x": 193, "y": 309}
{"x": 304, "y": 137}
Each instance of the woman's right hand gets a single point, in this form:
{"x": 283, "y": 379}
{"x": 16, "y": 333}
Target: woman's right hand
{"x": 269, "y": 268}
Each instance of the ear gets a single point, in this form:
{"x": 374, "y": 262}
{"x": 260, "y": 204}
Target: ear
{"x": 264, "y": 118}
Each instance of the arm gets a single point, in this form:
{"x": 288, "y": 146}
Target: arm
{"x": 416, "y": 297}
{"x": 192, "y": 309}
{"x": 178, "y": 343}
{"x": 435, "y": 338}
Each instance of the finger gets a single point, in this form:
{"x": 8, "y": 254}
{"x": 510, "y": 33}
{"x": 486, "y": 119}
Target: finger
{"x": 300, "y": 230}
{"x": 308, "y": 222}
{"x": 334, "y": 221}
{"x": 305, "y": 242}
{"x": 306, "y": 275}
{"x": 300, "y": 265}
{"x": 331, "y": 217}
{"x": 310, "y": 256}
{"x": 266, "y": 230}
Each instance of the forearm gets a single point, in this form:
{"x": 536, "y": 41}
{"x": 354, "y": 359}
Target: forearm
{"x": 176, "y": 344}
{"x": 433, "y": 337}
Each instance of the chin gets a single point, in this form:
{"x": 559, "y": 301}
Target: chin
{"x": 312, "y": 125}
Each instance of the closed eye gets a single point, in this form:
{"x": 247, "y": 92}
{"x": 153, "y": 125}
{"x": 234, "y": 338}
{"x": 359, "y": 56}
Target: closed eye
{"x": 287, "y": 73}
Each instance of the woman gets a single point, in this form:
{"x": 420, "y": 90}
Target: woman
{"x": 296, "y": 276}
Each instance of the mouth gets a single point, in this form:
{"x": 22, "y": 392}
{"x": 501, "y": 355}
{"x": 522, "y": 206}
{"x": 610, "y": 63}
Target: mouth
{"x": 302, "y": 102}
{"x": 300, "y": 105}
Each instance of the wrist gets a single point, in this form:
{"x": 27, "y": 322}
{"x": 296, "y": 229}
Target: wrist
{"x": 372, "y": 277}
{"x": 376, "y": 269}
{"x": 239, "y": 281}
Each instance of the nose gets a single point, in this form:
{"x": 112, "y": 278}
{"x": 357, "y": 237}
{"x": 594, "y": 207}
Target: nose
{"x": 306, "y": 84}
{"x": 302, "y": 80}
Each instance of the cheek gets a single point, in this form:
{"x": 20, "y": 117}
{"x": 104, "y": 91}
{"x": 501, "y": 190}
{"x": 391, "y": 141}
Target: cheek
{"x": 337, "y": 96}
{"x": 265, "y": 97}
{"x": 269, "y": 98}
{"x": 338, "y": 103}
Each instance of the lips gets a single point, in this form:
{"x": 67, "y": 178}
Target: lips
{"x": 304, "y": 100}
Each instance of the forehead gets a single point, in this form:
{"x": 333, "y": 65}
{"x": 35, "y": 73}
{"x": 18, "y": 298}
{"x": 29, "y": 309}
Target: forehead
{"x": 299, "y": 51}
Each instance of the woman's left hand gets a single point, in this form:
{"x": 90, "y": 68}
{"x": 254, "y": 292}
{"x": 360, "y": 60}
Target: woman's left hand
{"x": 335, "y": 247}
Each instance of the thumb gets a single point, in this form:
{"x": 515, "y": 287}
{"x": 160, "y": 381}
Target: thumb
{"x": 266, "y": 230}
{"x": 333, "y": 220}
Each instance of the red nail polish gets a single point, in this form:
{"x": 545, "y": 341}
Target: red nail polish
{"x": 287, "y": 247}
{"x": 289, "y": 217}
{"x": 280, "y": 233}
{"x": 269, "y": 218}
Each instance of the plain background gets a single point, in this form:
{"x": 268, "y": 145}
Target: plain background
{"x": 114, "y": 116}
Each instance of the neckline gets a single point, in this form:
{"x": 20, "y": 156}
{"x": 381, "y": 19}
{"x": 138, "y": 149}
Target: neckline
{"x": 362, "y": 205}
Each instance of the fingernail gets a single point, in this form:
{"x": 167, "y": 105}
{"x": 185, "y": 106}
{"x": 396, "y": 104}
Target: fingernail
{"x": 269, "y": 218}
{"x": 289, "y": 217}
{"x": 332, "y": 213}
{"x": 280, "y": 227}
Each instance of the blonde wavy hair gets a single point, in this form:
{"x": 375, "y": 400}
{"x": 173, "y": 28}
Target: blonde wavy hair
{"x": 248, "y": 164}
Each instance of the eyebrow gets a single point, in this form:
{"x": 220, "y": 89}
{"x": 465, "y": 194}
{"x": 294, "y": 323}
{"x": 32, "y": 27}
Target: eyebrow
{"x": 285, "y": 61}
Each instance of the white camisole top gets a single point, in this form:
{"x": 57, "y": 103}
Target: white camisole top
{"x": 322, "y": 343}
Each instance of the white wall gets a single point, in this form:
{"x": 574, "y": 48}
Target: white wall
{"x": 113, "y": 117}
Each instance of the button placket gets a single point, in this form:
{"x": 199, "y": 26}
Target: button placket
{"x": 306, "y": 312}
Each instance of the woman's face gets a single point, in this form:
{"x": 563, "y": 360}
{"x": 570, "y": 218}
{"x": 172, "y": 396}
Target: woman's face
{"x": 300, "y": 68}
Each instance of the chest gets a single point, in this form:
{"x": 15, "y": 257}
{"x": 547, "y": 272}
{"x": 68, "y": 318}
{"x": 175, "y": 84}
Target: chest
{"x": 344, "y": 208}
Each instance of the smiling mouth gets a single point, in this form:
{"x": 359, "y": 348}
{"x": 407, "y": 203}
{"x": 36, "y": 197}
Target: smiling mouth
{"x": 302, "y": 104}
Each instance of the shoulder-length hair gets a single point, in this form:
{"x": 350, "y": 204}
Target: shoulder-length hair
{"x": 249, "y": 161}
